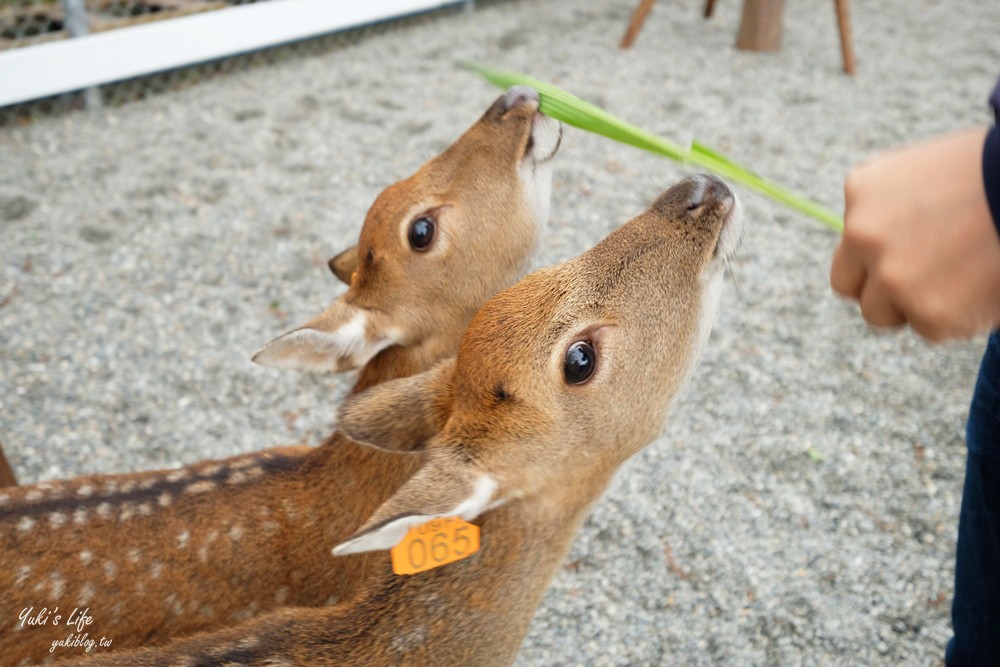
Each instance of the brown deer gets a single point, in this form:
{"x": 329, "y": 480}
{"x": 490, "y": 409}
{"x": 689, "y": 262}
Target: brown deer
{"x": 557, "y": 382}
{"x": 156, "y": 555}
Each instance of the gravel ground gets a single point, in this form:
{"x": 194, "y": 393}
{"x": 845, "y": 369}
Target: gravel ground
{"x": 800, "y": 506}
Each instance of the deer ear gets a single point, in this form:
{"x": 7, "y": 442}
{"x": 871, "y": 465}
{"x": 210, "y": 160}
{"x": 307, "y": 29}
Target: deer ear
{"x": 400, "y": 415}
{"x": 341, "y": 338}
{"x": 444, "y": 487}
{"x": 345, "y": 264}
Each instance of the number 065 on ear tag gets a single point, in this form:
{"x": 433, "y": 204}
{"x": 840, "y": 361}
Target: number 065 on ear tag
{"x": 434, "y": 544}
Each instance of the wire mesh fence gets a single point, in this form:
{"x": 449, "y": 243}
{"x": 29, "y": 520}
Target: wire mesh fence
{"x": 24, "y": 23}
{"x": 28, "y": 22}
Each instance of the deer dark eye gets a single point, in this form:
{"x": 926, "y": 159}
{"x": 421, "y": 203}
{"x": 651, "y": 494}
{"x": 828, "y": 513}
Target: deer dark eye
{"x": 580, "y": 362}
{"x": 421, "y": 233}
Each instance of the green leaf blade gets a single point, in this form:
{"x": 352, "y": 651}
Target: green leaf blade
{"x": 578, "y": 113}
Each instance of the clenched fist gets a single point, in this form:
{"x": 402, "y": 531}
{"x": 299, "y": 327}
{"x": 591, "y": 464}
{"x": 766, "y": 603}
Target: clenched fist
{"x": 920, "y": 246}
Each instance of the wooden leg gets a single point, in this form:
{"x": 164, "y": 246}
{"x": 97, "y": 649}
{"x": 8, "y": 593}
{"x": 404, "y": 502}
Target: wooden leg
{"x": 844, "y": 24}
{"x": 760, "y": 27}
{"x": 709, "y": 8}
{"x": 635, "y": 25}
{"x": 6, "y": 474}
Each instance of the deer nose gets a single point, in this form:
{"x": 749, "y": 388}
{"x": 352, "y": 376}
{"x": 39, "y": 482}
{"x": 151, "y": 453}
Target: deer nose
{"x": 518, "y": 95}
{"x": 707, "y": 189}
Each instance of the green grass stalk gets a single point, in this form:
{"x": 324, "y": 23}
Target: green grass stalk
{"x": 571, "y": 110}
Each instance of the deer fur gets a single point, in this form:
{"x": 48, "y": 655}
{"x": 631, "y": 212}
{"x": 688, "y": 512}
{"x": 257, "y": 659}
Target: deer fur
{"x": 512, "y": 446}
{"x": 156, "y": 555}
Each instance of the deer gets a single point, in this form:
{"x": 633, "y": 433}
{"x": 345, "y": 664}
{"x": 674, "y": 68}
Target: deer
{"x": 558, "y": 381}
{"x": 161, "y": 554}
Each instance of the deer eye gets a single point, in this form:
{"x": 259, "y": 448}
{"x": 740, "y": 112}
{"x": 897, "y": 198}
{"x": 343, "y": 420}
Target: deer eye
{"x": 580, "y": 362}
{"x": 421, "y": 233}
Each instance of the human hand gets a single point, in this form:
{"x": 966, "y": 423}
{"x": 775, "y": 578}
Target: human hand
{"x": 919, "y": 244}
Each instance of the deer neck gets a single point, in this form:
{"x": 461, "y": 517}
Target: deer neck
{"x": 477, "y": 610}
{"x": 403, "y": 361}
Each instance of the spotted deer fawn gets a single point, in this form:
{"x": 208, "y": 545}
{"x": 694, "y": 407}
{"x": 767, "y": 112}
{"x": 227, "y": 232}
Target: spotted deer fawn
{"x": 156, "y": 555}
{"x": 557, "y": 382}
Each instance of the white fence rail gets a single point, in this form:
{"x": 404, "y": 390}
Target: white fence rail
{"x": 68, "y": 65}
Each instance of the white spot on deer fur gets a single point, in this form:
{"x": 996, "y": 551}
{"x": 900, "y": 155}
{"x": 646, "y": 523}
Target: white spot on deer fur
{"x": 200, "y": 487}
{"x": 86, "y": 557}
{"x": 104, "y": 510}
{"x": 178, "y": 608}
{"x": 330, "y": 601}
{"x": 4, "y": 499}
{"x": 148, "y": 483}
{"x": 206, "y": 610}
{"x": 22, "y": 575}
{"x": 237, "y": 477}
{"x": 393, "y": 532}
{"x": 80, "y": 516}
{"x": 243, "y": 462}
{"x": 87, "y": 593}
{"x": 33, "y": 495}
{"x": 128, "y": 486}
{"x": 57, "y": 519}
{"x": 85, "y": 491}
{"x": 242, "y": 615}
{"x": 270, "y": 527}
{"x": 25, "y": 524}
{"x": 254, "y": 473}
{"x": 128, "y": 509}
{"x": 290, "y": 509}
{"x": 164, "y": 500}
{"x": 110, "y": 487}
{"x": 276, "y": 662}
{"x": 236, "y": 532}
{"x": 211, "y": 469}
{"x": 145, "y": 509}
{"x": 203, "y": 549}
{"x": 182, "y": 539}
{"x": 408, "y": 638}
{"x": 134, "y": 555}
{"x": 246, "y": 643}
{"x": 156, "y": 569}
{"x": 110, "y": 569}
{"x": 58, "y": 585}
{"x": 177, "y": 475}
{"x": 281, "y": 595}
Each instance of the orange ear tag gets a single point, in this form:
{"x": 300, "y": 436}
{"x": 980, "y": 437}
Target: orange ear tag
{"x": 434, "y": 544}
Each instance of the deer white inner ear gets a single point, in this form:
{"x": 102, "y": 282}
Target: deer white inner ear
{"x": 309, "y": 349}
{"x": 385, "y": 537}
{"x": 390, "y": 534}
{"x": 482, "y": 493}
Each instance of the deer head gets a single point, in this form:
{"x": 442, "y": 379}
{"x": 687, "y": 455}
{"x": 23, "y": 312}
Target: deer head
{"x": 436, "y": 245}
{"x": 558, "y": 379}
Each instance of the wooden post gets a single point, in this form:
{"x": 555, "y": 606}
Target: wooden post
{"x": 6, "y": 474}
{"x": 635, "y": 25}
{"x": 760, "y": 27}
{"x": 709, "y": 8}
{"x": 844, "y": 25}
